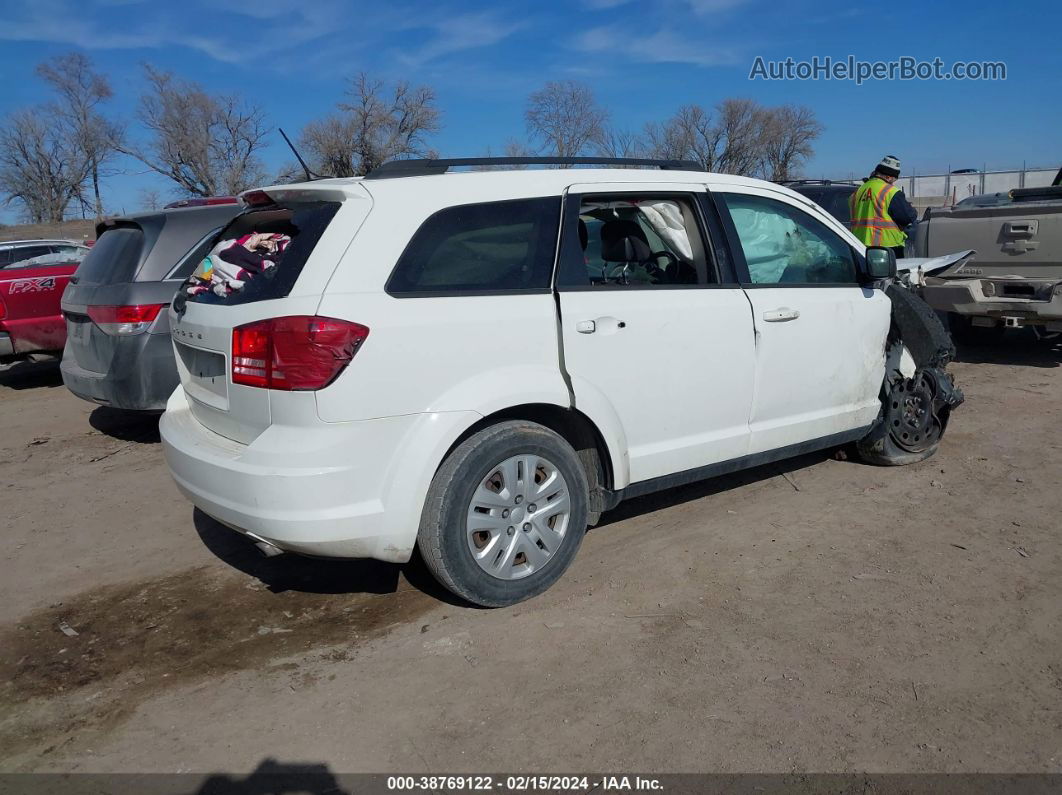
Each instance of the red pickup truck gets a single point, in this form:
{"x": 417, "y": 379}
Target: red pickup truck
{"x": 33, "y": 275}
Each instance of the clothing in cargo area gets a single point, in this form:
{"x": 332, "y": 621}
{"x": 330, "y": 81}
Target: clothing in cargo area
{"x": 234, "y": 261}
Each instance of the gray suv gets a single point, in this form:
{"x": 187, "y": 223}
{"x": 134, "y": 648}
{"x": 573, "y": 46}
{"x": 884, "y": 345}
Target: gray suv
{"x": 118, "y": 351}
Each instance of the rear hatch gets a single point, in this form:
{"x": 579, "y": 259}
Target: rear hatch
{"x": 104, "y": 278}
{"x": 132, "y": 273}
{"x": 321, "y": 221}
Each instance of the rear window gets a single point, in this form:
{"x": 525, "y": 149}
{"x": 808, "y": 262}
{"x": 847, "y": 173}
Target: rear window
{"x": 114, "y": 258}
{"x": 480, "y": 248}
{"x": 258, "y": 256}
{"x": 23, "y": 253}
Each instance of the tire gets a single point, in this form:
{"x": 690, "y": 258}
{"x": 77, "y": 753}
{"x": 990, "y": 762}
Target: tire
{"x": 914, "y": 420}
{"x": 964, "y": 332}
{"x": 491, "y": 535}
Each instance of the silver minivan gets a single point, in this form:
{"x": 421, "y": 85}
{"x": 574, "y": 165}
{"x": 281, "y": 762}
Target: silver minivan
{"x": 118, "y": 351}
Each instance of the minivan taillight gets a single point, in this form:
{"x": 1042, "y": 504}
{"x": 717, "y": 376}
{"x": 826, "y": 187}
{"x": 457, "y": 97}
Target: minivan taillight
{"x": 125, "y": 319}
{"x": 299, "y": 352}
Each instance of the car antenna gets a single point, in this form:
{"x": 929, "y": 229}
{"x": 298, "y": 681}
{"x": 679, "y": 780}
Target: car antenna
{"x": 310, "y": 176}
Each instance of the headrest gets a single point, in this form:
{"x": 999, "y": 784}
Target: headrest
{"x": 623, "y": 241}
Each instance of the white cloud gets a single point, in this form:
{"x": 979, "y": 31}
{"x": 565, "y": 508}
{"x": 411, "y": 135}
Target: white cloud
{"x": 663, "y": 46}
{"x": 454, "y": 34}
{"x": 284, "y": 22}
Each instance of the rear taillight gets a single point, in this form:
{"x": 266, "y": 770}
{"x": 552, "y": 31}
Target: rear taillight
{"x": 3, "y": 309}
{"x": 125, "y": 319}
{"x": 300, "y": 352}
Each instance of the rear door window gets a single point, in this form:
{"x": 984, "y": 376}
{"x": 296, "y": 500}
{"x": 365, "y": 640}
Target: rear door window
{"x": 115, "y": 257}
{"x": 473, "y": 249}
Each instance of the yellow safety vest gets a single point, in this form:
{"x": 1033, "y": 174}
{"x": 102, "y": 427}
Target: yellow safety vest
{"x": 870, "y": 214}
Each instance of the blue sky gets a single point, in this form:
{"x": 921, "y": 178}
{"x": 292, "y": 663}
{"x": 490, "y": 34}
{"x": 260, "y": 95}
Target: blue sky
{"x": 642, "y": 59}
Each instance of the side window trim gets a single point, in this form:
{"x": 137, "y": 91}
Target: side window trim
{"x": 567, "y": 269}
{"x": 738, "y": 252}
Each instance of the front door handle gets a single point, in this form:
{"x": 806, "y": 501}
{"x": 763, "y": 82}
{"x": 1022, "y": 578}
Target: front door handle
{"x": 781, "y": 315}
{"x": 605, "y": 325}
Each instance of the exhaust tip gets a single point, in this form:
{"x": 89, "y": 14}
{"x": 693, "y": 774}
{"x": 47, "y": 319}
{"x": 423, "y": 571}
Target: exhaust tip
{"x": 267, "y": 549}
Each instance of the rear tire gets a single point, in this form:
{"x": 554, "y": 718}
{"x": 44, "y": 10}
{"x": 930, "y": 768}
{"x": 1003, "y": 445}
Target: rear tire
{"x": 505, "y": 514}
{"x": 915, "y": 417}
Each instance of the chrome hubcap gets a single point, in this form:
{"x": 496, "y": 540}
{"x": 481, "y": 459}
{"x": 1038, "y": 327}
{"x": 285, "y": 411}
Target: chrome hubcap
{"x": 518, "y": 516}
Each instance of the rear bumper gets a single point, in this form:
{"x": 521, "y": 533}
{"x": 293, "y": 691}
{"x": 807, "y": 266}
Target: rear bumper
{"x": 141, "y": 376}
{"x": 351, "y": 490}
{"x": 967, "y": 297}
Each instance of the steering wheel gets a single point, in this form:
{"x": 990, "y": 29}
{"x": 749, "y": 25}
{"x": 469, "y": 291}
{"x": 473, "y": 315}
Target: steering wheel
{"x": 672, "y": 259}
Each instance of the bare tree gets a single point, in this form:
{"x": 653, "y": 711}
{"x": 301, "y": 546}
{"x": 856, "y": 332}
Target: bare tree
{"x": 614, "y": 142}
{"x": 513, "y": 148}
{"x": 741, "y": 137}
{"x": 564, "y": 118}
{"x": 207, "y": 144}
{"x": 331, "y": 146}
{"x": 789, "y": 134}
{"x": 149, "y": 199}
{"x": 82, "y": 91}
{"x": 688, "y": 135}
{"x": 375, "y": 125}
{"x": 39, "y": 166}
{"x": 740, "y": 130}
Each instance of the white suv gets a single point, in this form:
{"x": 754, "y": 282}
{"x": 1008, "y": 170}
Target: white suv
{"x": 479, "y": 364}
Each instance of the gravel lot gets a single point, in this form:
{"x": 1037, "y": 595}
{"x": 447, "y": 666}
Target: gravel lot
{"x": 846, "y": 618}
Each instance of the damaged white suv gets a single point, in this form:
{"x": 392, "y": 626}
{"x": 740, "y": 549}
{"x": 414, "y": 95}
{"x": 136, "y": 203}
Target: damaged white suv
{"x": 480, "y": 364}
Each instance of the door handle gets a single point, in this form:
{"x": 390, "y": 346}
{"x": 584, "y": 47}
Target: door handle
{"x": 781, "y": 315}
{"x": 606, "y": 325}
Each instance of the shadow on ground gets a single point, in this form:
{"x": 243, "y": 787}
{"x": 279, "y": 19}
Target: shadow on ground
{"x": 276, "y": 778}
{"x": 127, "y": 426}
{"x": 31, "y": 375}
{"x": 668, "y": 498}
{"x": 1015, "y": 347}
{"x": 316, "y": 575}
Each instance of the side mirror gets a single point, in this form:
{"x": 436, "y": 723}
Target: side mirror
{"x": 881, "y": 262}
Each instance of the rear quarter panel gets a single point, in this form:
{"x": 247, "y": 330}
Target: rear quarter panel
{"x": 33, "y": 316}
{"x": 479, "y": 353}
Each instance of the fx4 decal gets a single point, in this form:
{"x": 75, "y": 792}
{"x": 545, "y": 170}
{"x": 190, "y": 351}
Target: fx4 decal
{"x": 32, "y": 285}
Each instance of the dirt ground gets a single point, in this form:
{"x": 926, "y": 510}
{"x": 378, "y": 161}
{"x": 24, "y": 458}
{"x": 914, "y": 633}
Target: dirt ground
{"x": 843, "y": 618}
{"x": 68, "y": 230}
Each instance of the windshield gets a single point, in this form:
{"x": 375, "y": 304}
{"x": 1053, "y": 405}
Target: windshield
{"x": 832, "y": 200}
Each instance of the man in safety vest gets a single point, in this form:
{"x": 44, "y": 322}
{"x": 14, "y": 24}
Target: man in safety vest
{"x": 880, "y": 211}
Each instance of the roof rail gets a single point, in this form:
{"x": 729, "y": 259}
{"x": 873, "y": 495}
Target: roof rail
{"x": 420, "y": 168}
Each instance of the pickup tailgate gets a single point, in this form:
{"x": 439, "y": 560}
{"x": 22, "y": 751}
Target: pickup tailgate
{"x": 1022, "y": 240}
